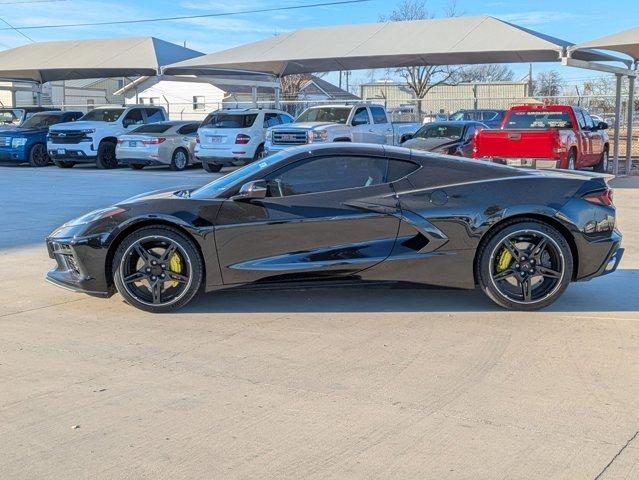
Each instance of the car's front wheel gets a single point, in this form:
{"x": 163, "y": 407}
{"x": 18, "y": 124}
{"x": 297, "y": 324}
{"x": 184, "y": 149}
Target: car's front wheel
{"x": 157, "y": 269}
{"x": 525, "y": 265}
{"x": 38, "y": 156}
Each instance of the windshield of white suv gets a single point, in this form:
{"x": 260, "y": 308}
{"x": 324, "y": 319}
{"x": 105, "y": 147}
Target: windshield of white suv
{"x": 11, "y": 117}
{"x": 41, "y": 120}
{"x": 211, "y": 190}
{"x": 325, "y": 114}
{"x": 229, "y": 120}
{"x": 103, "y": 115}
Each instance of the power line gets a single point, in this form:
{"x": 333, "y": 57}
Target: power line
{"x": 189, "y": 17}
{"x": 11, "y": 27}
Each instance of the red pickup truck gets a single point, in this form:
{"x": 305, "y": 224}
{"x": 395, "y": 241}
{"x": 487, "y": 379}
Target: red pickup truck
{"x": 554, "y": 136}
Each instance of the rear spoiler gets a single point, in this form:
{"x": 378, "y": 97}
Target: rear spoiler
{"x": 607, "y": 177}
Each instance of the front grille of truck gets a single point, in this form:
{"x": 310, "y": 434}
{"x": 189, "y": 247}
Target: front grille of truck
{"x": 67, "y": 137}
{"x": 5, "y": 141}
{"x": 289, "y": 137}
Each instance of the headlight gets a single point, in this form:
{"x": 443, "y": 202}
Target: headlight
{"x": 318, "y": 136}
{"x": 269, "y": 135}
{"x": 95, "y": 215}
{"x": 18, "y": 142}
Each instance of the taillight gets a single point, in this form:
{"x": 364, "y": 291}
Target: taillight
{"x": 602, "y": 197}
{"x": 242, "y": 139}
{"x": 120, "y": 142}
{"x": 154, "y": 141}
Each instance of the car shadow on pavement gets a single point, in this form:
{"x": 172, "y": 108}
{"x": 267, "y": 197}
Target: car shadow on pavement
{"x": 615, "y": 292}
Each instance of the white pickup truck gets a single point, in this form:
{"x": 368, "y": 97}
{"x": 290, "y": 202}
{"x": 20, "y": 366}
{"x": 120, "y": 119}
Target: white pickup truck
{"x": 338, "y": 123}
{"x": 93, "y": 137}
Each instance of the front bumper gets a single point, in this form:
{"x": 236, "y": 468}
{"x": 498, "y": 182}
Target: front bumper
{"x": 78, "y": 152}
{"x": 80, "y": 266}
{"x": 8, "y": 154}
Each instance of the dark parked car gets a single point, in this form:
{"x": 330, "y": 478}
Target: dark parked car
{"x": 450, "y": 138}
{"x": 343, "y": 212}
{"x": 28, "y": 142}
{"x": 490, "y": 118}
{"x": 15, "y": 117}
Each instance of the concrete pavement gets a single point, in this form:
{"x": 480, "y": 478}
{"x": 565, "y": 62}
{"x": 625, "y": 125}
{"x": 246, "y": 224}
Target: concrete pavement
{"x": 355, "y": 383}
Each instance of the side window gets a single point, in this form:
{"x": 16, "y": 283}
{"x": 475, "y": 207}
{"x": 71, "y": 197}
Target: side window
{"x": 189, "y": 129}
{"x": 284, "y": 119}
{"x": 399, "y": 169}
{"x": 580, "y": 118}
{"x": 326, "y": 174}
{"x": 134, "y": 117}
{"x": 379, "y": 115}
{"x": 470, "y": 131}
{"x": 154, "y": 115}
{"x": 270, "y": 120}
{"x": 589, "y": 121}
{"x": 361, "y": 117}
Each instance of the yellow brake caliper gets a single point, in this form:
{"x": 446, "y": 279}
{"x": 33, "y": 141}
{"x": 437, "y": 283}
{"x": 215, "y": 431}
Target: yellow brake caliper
{"x": 504, "y": 260}
{"x": 175, "y": 265}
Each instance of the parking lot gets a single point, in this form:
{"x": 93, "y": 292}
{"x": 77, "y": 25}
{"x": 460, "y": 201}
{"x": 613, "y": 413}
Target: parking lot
{"x": 380, "y": 382}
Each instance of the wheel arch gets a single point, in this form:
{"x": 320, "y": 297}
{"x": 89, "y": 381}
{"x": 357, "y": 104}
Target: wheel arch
{"x": 113, "y": 140}
{"x": 141, "y": 223}
{"x": 522, "y": 217}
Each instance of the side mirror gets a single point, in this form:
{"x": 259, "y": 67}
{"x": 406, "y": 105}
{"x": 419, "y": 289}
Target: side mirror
{"x": 251, "y": 190}
{"x": 406, "y": 137}
{"x": 602, "y": 126}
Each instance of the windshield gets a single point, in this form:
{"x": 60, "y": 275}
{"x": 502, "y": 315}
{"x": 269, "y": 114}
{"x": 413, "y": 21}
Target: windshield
{"x": 325, "y": 114}
{"x": 103, "y": 115}
{"x": 442, "y": 130}
{"x": 41, "y": 120}
{"x": 11, "y": 117}
{"x": 230, "y": 120}
{"x": 211, "y": 190}
{"x": 538, "y": 119}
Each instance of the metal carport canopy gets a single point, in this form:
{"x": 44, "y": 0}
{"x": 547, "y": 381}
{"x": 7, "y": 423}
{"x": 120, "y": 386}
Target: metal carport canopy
{"x": 96, "y": 58}
{"x": 626, "y": 42}
{"x": 448, "y": 41}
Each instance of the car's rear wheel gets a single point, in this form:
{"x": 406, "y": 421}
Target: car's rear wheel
{"x": 571, "y": 162}
{"x": 106, "y": 156}
{"x": 38, "y": 156}
{"x": 602, "y": 166}
{"x": 212, "y": 167}
{"x": 63, "y": 163}
{"x": 157, "y": 269}
{"x": 259, "y": 153}
{"x": 180, "y": 160}
{"x": 525, "y": 265}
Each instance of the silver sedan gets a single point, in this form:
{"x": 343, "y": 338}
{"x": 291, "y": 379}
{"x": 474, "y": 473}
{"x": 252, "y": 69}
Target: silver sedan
{"x": 164, "y": 143}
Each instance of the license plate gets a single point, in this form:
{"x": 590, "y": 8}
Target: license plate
{"x": 216, "y": 139}
{"x": 133, "y": 143}
{"x": 61, "y": 151}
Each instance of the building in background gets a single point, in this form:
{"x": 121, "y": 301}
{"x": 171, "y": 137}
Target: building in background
{"x": 447, "y": 98}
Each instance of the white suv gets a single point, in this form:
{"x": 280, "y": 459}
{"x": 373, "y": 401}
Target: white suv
{"x": 235, "y": 136}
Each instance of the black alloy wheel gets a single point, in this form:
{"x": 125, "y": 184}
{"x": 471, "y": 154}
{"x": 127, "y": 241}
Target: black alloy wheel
{"x": 157, "y": 269}
{"x": 106, "y": 156}
{"x": 63, "y": 163}
{"x": 212, "y": 167}
{"x": 38, "y": 156}
{"x": 525, "y": 266}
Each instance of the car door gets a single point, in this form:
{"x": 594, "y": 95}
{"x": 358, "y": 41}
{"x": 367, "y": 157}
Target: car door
{"x": 326, "y": 216}
{"x": 361, "y": 129}
{"x": 382, "y": 128}
{"x": 188, "y": 137}
{"x": 595, "y": 138}
{"x": 583, "y": 139}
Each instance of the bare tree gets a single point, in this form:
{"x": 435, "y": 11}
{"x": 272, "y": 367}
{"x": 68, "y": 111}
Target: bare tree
{"x": 293, "y": 84}
{"x": 420, "y": 79}
{"x": 492, "y": 72}
{"x": 548, "y": 85}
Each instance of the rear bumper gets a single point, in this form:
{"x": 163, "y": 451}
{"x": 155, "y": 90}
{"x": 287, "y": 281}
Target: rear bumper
{"x": 537, "y": 163}
{"x": 611, "y": 260}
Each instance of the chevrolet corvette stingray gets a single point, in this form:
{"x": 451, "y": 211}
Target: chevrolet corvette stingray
{"x": 344, "y": 213}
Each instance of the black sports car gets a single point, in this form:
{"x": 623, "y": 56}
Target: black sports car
{"x": 343, "y": 212}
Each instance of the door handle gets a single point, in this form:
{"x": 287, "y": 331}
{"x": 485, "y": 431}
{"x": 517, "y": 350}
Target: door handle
{"x": 370, "y": 130}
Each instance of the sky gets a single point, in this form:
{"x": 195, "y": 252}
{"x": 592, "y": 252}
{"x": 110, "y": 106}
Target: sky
{"x": 572, "y": 20}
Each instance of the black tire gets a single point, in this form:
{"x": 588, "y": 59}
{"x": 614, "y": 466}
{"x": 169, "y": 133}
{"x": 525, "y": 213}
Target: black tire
{"x": 63, "y": 163}
{"x": 140, "y": 291}
{"x": 259, "y": 153}
{"x": 530, "y": 280}
{"x": 180, "y": 160}
{"x": 38, "y": 156}
{"x": 571, "y": 161}
{"x": 212, "y": 167}
{"x": 136, "y": 166}
{"x": 602, "y": 166}
{"x": 106, "y": 156}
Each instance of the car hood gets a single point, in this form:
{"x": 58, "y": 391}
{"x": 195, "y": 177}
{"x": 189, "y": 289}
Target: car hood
{"x": 25, "y": 131}
{"x": 304, "y": 125}
{"x": 173, "y": 192}
{"x": 78, "y": 125}
{"x": 429, "y": 143}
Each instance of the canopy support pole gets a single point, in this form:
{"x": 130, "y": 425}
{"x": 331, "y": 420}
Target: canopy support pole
{"x": 254, "y": 95}
{"x": 631, "y": 104}
{"x": 277, "y": 96}
{"x": 615, "y": 160}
